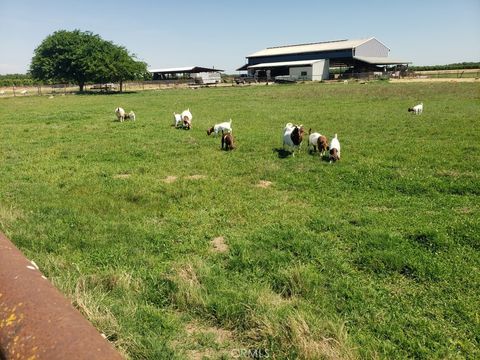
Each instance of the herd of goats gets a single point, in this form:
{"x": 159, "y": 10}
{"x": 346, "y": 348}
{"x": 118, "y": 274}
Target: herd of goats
{"x": 292, "y": 134}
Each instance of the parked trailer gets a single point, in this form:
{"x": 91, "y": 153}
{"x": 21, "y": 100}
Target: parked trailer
{"x": 207, "y": 78}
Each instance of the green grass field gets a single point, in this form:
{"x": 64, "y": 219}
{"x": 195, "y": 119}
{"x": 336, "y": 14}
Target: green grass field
{"x": 176, "y": 249}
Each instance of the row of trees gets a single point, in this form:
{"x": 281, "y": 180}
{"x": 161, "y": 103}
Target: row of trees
{"x": 82, "y": 57}
{"x": 456, "y": 66}
{"x": 17, "y": 79}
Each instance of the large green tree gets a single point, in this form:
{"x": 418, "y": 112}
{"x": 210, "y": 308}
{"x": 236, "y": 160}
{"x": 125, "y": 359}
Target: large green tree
{"x": 83, "y": 57}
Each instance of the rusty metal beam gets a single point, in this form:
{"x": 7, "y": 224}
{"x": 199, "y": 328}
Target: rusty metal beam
{"x": 36, "y": 320}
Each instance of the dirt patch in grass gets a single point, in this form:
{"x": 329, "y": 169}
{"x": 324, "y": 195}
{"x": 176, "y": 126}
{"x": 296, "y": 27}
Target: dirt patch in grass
{"x": 121, "y": 176}
{"x": 264, "y": 184}
{"x": 219, "y": 244}
{"x": 220, "y": 335}
{"x": 188, "y": 275}
{"x": 195, "y": 177}
{"x": 170, "y": 179}
{"x": 221, "y": 341}
{"x": 464, "y": 210}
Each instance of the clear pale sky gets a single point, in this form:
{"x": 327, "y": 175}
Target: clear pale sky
{"x": 220, "y": 34}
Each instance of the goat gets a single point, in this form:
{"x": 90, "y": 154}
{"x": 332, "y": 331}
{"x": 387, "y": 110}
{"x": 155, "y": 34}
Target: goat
{"x": 187, "y": 119}
{"x": 417, "y": 109}
{"x": 334, "y": 149}
{"x": 130, "y": 115}
{"x": 318, "y": 141}
{"x": 224, "y": 127}
{"x": 293, "y": 136}
{"x": 120, "y": 114}
{"x": 228, "y": 142}
{"x": 177, "y": 120}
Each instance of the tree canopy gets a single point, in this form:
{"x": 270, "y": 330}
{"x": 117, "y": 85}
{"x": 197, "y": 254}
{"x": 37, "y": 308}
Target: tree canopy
{"x": 83, "y": 57}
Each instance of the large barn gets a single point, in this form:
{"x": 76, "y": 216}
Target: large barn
{"x": 313, "y": 61}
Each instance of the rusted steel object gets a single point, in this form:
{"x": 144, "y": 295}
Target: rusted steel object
{"x": 36, "y": 320}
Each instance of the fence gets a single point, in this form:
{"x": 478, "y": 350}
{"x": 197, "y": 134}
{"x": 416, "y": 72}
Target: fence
{"x": 63, "y": 89}
{"x": 451, "y": 74}
{"x": 37, "y": 321}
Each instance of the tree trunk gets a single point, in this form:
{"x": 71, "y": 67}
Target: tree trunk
{"x": 121, "y": 85}
{"x": 82, "y": 85}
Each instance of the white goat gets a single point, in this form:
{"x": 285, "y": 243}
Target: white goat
{"x": 292, "y": 136}
{"x": 417, "y": 109}
{"x": 334, "y": 149}
{"x": 224, "y": 127}
{"x": 177, "y": 120}
{"x": 120, "y": 114}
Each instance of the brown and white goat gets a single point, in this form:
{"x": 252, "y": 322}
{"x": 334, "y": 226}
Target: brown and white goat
{"x": 228, "y": 143}
{"x": 318, "y": 141}
{"x": 187, "y": 119}
{"x": 334, "y": 149}
{"x": 223, "y": 127}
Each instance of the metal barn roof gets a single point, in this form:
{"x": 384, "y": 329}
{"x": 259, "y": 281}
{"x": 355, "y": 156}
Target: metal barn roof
{"x": 313, "y": 47}
{"x": 380, "y": 60}
{"x": 187, "y": 69}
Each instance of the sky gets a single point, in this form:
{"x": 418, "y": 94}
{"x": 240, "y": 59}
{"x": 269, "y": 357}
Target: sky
{"x": 221, "y": 33}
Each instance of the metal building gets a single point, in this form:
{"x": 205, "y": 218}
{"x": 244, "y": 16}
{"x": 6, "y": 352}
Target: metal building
{"x": 313, "y": 61}
{"x": 198, "y": 74}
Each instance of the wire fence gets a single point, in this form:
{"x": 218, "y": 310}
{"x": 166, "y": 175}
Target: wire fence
{"x": 64, "y": 89}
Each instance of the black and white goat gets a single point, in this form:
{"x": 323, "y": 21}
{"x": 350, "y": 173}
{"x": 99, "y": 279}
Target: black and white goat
{"x": 293, "y": 136}
{"x": 417, "y": 109}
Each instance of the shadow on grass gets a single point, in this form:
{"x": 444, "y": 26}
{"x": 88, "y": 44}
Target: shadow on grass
{"x": 325, "y": 157}
{"x": 89, "y": 93}
{"x": 282, "y": 153}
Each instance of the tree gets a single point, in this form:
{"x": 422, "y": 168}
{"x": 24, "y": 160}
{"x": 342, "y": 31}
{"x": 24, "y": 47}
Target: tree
{"x": 82, "y": 57}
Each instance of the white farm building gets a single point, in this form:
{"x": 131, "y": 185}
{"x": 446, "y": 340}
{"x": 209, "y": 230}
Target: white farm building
{"x": 313, "y": 61}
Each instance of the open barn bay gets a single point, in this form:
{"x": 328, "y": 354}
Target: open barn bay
{"x": 175, "y": 249}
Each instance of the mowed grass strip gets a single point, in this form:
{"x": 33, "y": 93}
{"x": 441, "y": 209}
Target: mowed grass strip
{"x": 176, "y": 249}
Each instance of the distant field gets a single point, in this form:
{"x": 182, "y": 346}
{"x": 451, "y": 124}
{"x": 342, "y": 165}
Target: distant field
{"x": 175, "y": 249}
{"x": 459, "y": 73}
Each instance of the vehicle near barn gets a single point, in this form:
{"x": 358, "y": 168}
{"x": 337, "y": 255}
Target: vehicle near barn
{"x": 245, "y": 79}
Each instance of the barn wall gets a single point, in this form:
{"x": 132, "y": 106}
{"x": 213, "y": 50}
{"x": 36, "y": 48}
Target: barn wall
{"x": 372, "y": 47}
{"x": 321, "y": 70}
{"x": 296, "y": 72}
{"x": 303, "y": 56}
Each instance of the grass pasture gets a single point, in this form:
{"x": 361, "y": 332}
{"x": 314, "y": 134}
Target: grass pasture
{"x": 175, "y": 249}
